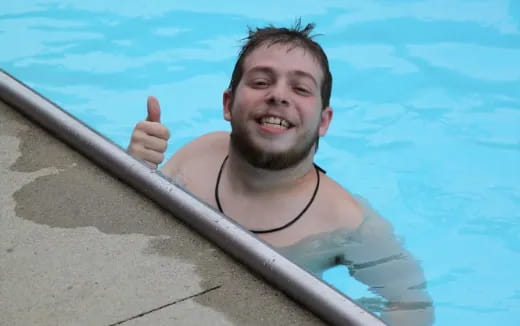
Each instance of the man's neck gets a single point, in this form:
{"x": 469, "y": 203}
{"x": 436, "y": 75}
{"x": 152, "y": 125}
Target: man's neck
{"x": 246, "y": 178}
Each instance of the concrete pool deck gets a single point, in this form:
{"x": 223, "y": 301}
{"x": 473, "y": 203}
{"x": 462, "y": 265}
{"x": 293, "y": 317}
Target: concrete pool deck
{"x": 79, "y": 247}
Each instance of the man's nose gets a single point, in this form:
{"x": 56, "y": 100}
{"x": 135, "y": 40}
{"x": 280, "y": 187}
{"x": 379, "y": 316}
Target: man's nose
{"x": 278, "y": 96}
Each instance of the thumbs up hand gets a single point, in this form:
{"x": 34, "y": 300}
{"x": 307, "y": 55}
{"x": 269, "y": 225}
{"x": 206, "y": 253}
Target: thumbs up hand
{"x": 150, "y": 138}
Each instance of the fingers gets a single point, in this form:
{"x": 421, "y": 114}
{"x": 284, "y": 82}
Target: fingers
{"x": 156, "y": 144}
{"x": 147, "y": 148}
{"x": 150, "y": 135}
{"x": 154, "y": 110}
{"x": 153, "y": 129}
{"x": 150, "y": 156}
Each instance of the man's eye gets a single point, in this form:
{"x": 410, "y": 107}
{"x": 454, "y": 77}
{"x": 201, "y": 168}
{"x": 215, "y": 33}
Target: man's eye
{"x": 260, "y": 83}
{"x": 302, "y": 90}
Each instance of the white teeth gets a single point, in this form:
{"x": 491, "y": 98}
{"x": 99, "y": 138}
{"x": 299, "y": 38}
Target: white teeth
{"x": 275, "y": 121}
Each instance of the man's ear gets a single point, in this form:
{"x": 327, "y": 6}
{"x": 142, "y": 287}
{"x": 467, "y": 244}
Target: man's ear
{"x": 326, "y": 118}
{"x": 227, "y": 101}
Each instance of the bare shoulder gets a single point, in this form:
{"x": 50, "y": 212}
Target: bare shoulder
{"x": 209, "y": 147}
{"x": 206, "y": 141}
{"x": 342, "y": 209}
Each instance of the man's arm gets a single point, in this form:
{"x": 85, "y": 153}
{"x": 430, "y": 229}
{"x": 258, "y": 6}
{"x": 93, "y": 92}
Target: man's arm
{"x": 375, "y": 257}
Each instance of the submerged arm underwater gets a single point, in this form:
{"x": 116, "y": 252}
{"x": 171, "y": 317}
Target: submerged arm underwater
{"x": 375, "y": 257}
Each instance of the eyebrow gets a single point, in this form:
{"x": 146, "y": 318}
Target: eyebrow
{"x": 270, "y": 71}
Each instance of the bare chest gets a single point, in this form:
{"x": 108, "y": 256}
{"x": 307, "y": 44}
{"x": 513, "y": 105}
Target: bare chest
{"x": 294, "y": 216}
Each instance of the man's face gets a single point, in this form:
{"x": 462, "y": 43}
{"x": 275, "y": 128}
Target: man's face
{"x": 276, "y": 112}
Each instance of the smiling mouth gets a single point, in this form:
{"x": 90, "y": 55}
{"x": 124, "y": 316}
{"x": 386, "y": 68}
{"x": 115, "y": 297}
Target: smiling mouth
{"x": 276, "y": 122}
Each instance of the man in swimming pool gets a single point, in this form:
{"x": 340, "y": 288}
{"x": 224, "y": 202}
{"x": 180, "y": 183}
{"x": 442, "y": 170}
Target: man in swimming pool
{"x": 265, "y": 179}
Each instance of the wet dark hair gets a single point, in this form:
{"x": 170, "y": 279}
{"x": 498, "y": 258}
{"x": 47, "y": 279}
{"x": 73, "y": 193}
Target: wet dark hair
{"x": 296, "y": 36}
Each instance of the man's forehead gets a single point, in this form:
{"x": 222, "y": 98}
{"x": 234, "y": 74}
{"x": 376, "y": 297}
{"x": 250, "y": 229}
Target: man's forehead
{"x": 267, "y": 52}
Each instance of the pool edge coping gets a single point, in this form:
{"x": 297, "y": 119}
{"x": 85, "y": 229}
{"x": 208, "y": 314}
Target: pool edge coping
{"x": 318, "y": 297}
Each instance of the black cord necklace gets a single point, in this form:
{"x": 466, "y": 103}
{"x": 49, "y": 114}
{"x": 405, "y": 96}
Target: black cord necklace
{"x": 217, "y": 199}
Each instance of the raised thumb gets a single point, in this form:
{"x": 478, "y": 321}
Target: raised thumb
{"x": 154, "y": 110}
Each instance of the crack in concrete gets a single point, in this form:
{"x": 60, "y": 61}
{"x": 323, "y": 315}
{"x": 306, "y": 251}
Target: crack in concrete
{"x": 166, "y": 305}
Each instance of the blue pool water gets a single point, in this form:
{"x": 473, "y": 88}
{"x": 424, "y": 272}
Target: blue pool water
{"x": 426, "y": 97}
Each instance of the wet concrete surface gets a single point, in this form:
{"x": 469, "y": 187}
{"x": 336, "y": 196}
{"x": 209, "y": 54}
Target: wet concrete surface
{"x": 78, "y": 247}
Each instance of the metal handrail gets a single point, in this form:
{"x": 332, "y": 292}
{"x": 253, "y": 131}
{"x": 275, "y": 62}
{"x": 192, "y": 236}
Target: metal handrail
{"x": 324, "y": 301}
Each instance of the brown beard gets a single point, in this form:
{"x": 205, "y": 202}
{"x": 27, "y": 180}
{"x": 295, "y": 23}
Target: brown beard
{"x": 269, "y": 160}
